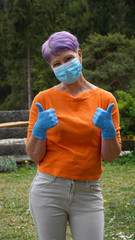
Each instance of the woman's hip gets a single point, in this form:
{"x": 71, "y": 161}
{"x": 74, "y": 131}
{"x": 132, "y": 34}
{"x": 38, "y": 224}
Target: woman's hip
{"x": 48, "y": 190}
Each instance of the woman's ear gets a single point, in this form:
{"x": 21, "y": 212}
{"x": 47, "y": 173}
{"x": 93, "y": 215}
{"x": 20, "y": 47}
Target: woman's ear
{"x": 80, "y": 55}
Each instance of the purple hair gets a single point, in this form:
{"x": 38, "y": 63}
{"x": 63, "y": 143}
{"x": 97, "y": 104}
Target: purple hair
{"x": 58, "y": 42}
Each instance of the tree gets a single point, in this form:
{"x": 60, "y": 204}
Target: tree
{"x": 32, "y": 21}
{"x": 24, "y": 25}
{"x": 4, "y": 51}
{"x": 109, "y": 61}
{"x": 26, "y": 20}
{"x": 130, "y": 19}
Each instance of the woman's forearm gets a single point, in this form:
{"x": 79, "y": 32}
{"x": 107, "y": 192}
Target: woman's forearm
{"x": 36, "y": 149}
{"x": 110, "y": 149}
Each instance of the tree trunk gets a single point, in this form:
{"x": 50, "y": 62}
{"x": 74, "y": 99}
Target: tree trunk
{"x": 29, "y": 75}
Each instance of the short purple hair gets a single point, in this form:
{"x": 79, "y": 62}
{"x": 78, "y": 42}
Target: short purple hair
{"x": 58, "y": 42}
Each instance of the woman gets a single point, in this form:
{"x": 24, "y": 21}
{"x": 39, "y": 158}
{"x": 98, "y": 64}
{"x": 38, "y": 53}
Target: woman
{"x": 71, "y": 126}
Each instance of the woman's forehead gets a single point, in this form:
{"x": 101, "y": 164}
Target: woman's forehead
{"x": 62, "y": 54}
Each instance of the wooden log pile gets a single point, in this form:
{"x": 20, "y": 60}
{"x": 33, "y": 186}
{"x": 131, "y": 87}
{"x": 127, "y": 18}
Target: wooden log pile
{"x": 13, "y": 134}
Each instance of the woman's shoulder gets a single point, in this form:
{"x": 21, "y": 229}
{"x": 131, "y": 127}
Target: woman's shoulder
{"x": 106, "y": 98}
{"x": 44, "y": 93}
{"x": 42, "y": 97}
{"x": 104, "y": 93}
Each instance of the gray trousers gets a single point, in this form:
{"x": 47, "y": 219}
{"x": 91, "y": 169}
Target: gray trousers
{"x": 54, "y": 201}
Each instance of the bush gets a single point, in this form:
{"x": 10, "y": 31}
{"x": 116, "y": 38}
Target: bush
{"x": 124, "y": 159}
{"x": 126, "y": 105}
{"x": 7, "y": 164}
{"x": 128, "y": 145}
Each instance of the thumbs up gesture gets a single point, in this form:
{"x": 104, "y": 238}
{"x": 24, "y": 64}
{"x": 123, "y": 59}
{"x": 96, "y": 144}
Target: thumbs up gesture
{"x": 46, "y": 120}
{"x": 103, "y": 120}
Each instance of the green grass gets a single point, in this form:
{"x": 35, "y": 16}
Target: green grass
{"x": 118, "y": 187}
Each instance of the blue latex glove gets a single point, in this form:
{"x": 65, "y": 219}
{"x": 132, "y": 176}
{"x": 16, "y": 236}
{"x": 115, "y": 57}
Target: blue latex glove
{"x": 46, "y": 119}
{"x": 103, "y": 120}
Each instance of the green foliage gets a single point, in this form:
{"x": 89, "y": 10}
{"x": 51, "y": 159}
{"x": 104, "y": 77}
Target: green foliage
{"x": 24, "y": 26}
{"x": 7, "y": 164}
{"x": 109, "y": 61}
{"x": 126, "y": 104}
{"x": 125, "y": 159}
{"x": 102, "y": 17}
{"x": 128, "y": 144}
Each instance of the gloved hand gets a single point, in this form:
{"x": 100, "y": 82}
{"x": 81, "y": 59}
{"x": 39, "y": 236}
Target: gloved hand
{"x": 103, "y": 120}
{"x": 46, "y": 119}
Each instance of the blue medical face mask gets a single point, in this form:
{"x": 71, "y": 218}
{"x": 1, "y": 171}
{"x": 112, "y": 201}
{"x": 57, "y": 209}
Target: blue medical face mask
{"x": 68, "y": 72}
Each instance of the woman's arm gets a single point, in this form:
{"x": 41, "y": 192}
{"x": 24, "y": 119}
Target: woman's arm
{"x": 36, "y": 146}
{"x": 110, "y": 149}
{"x": 36, "y": 149}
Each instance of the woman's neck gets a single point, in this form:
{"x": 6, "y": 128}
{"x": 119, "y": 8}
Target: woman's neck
{"x": 77, "y": 87}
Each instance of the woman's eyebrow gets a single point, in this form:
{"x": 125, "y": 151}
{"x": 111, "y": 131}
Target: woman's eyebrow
{"x": 68, "y": 55}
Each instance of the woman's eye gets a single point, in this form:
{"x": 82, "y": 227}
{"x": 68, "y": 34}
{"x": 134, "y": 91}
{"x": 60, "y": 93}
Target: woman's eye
{"x": 68, "y": 59}
{"x": 56, "y": 65}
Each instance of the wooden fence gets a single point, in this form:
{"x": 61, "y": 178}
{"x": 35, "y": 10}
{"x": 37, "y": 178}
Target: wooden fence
{"x": 14, "y": 124}
{"x": 13, "y": 134}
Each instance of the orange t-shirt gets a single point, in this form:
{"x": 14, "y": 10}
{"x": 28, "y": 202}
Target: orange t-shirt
{"x": 74, "y": 145}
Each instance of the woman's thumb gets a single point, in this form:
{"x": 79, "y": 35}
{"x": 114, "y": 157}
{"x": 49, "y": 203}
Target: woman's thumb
{"x": 40, "y": 108}
{"x": 109, "y": 109}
